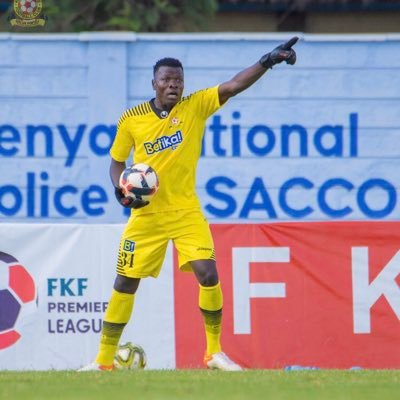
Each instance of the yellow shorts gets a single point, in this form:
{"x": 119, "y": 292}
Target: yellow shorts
{"x": 145, "y": 239}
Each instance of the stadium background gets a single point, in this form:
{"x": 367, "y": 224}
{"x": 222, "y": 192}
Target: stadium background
{"x": 317, "y": 142}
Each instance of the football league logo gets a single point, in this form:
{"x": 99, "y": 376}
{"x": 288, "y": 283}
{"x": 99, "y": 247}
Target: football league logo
{"x": 26, "y": 13}
{"x": 17, "y": 288}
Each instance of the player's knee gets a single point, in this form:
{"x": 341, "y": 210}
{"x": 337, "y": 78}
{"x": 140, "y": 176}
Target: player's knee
{"x": 124, "y": 284}
{"x": 209, "y": 279}
{"x": 206, "y": 272}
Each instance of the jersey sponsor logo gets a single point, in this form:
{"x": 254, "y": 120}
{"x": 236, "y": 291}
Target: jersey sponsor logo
{"x": 164, "y": 142}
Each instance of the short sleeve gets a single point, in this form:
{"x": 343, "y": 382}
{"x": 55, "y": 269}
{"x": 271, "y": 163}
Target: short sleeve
{"x": 123, "y": 142}
{"x": 206, "y": 101}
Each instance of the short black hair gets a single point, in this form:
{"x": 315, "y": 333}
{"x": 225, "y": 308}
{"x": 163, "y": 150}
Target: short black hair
{"x": 167, "y": 62}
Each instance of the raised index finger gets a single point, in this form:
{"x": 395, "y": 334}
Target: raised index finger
{"x": 288, "y": 45}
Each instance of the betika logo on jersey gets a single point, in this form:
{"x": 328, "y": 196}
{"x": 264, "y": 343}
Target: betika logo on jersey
{"x": 164, "y": 142}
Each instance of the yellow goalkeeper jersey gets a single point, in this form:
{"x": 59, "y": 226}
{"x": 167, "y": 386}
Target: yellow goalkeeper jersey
{"x": 170, "y": 143}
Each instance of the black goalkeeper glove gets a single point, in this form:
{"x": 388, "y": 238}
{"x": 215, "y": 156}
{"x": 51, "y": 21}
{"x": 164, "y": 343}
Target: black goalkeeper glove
{"x": 128, "y": 202}
{"x": 284, "y": 52}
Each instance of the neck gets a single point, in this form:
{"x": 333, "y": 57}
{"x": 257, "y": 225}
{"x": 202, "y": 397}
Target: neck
{"x": 162, "y": 107}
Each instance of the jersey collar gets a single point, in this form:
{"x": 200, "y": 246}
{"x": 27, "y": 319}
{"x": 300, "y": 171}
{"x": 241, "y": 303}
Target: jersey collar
{"x": 162, "y": 114}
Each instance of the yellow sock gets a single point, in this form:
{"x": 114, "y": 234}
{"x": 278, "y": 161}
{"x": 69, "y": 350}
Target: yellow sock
{"x": 210, "y": 303}
{"x": 117, "y": 315}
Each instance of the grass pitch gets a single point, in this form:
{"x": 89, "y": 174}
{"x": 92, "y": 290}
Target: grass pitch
{"x": 201, "y": 384}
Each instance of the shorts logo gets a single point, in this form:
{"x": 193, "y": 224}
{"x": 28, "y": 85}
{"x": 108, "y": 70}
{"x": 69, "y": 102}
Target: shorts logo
{"x": 164, "y": 142}
{"x": 129, "y": 246}
{"x": 211, "y": 251}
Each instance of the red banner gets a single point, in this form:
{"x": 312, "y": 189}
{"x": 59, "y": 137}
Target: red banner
{"x": 324, "y": 294}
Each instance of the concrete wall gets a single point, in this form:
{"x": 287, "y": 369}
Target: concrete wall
{"x": 61, "y": 95}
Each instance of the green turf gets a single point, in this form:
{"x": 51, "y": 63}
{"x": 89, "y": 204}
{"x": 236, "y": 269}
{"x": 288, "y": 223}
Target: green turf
{"x": 201, "y": 384}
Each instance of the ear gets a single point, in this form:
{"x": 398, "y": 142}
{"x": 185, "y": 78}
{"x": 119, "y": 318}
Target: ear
{"x": 153, "y": 83}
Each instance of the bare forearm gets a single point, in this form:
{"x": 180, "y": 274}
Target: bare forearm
{"x": 240, "y": 82}
{"x": 116, "y": 169}
{"x": 247, "y": 77}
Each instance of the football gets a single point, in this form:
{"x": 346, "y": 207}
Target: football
{"x": 139, "y": 181}
{"x": 130, "y": 356}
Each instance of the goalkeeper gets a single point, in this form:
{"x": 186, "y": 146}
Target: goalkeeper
{"x": 166, "y": 133}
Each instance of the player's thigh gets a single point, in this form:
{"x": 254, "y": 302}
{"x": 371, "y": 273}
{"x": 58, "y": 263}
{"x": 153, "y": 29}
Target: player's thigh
{"x": 193, "y": 239}
{"x": 142, "y": 248}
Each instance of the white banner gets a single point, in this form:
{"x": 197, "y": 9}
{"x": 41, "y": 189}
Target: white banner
{"x": 53, "y": 320}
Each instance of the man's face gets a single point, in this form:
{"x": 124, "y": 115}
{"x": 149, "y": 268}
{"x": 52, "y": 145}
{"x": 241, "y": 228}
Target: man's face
{"x": 168, "y": 84}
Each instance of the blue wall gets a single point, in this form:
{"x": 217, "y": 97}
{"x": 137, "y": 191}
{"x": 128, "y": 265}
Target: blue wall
{"x": 317, "y": 141}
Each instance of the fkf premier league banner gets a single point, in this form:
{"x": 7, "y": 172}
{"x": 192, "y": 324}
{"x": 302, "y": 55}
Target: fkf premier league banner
{"x": 325, "y": 295}
{"x": 54, "y": 291}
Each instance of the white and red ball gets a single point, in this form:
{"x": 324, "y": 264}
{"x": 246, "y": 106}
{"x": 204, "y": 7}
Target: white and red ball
{"x": 139, "y": 181}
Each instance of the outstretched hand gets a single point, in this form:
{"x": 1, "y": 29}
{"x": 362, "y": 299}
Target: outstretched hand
{"x": 284, "y": 52}
{"x": 289, "y": 44}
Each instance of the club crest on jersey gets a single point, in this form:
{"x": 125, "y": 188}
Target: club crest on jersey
{"x": 164, "y": 142}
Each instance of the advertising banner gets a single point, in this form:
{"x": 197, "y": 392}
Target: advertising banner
{"x": 317, "y": 141}
{"x": 55, "y": 282}
{"x": 312, "y": 294}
